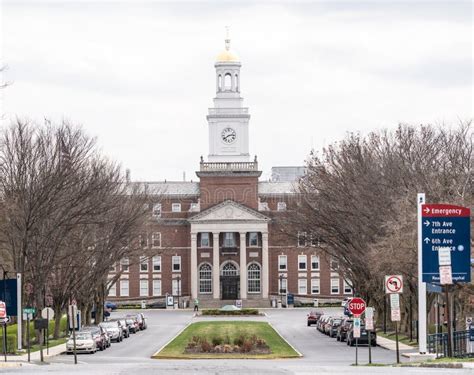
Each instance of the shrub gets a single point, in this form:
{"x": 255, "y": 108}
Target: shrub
{"x": 261, "y": 342}
{"x": 239, "y": 340}
{"x": 230, "y": 313}
{"x": 216, "y": 340}
{"x": 247, "y": 346}
{"x": 228, "y": 348}
{"x": 227, "y": 339}
{"x": 11, "y": 343}
{"x": 205, "y": 346}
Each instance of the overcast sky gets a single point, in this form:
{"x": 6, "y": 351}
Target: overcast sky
{"x": 140, "y": 75}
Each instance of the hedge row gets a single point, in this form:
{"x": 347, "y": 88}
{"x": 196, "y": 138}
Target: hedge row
{"x": 232, "y": 312}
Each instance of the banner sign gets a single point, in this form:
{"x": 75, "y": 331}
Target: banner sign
{"x": 444, "y": 226}
{"x": 9, "y": 288}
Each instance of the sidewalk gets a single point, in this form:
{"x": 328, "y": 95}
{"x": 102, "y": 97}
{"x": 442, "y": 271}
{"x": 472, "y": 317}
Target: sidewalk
{"x": 17, "y": 360}
{"x": 391, "y": 344}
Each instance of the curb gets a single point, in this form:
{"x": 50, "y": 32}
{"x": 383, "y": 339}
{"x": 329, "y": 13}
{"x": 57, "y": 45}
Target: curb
{"x": 279, "y": 334}
{"x": 171, "y": 339}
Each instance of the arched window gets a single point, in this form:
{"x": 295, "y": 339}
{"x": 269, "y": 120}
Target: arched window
{"x": 253, "y": 278}
{"x": 205, "y": 279}
{"x": 227, "y": 82}
{"x": 229, "y": 269}
{"x": 219, "y": 82}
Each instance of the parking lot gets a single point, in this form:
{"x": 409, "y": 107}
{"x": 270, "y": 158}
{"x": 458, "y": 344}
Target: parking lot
{"x": 321, "y": 354}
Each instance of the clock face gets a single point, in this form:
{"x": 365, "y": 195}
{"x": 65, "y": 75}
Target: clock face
{"x": 228, "y": 135}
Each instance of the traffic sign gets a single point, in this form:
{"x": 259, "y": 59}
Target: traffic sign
{"x": 356, "y": 306}
{"x": 3, "y": 310}
{"x": 47, "y": 313}
{"x": 394, "y": 284}
{"x": 469, "y": 321}
{"x": 395, "y": 315}
{"x": 394, "y": 301}
{"x": 444, "y": 256}
{"x": 445, "y": 275}
{"x": 356, "y": 327}
{"x": 446, "y": 226}
{"x": 5, "y": 320}
{"x": 29, "y": 310}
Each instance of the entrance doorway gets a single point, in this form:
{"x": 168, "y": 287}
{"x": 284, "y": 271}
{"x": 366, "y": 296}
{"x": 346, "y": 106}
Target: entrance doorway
{"x": 230, "y": 281}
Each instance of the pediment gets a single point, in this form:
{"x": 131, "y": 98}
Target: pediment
{"x": 229, "y": 211}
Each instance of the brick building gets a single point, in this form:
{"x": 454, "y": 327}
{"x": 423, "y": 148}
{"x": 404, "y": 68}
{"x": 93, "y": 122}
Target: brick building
{"x": 219, "y": 239}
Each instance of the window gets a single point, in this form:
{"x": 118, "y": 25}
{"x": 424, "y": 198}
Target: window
{"x": 113, "y": 268}
{"x": 253, "y": 239}
{"x": 229, "y": 269}
{"x": 156, "y": 264}
{"x": 176, "y": 263}
{"x": 176, "y": 207}
{"x": 113, "y": 290}
{"x": 347, "y": 287}
{"x": 156, "y": 239}
{"x": 156, "y": 210}
{"x": 302, "y": 262}
{"x": 205, "y": 242}
{"x": 143, "y": 240}
{"x": 301, "y": 239}
{"x": 124, "y": 288}
{"x": 263, "y": 206}
{"x": 205, "y": 279}
{"x": 124, "y": 263}
{"x": 156, "y": 287}
{"x": 253, "y": 277}
{"x": 194, "y": 207}
{"x": 315, "y": 262}
{"x": 281, "y": 206}
{"x": 315, "y": 242}
{"x": 282, "y": 263}
{"x": 334, "y": 264}
{"x": 302, "y": 286}
{"x": 334, "y": 286}
{"x": 282, "y": 286}
{"x": 229, "y": 239}
{"x": 315, "y": 285}
{"x": 176, "y": 287}
{"x": 227, "y": 82}
{"x": 143, "y": 287}
{"x": 143, "y": 264}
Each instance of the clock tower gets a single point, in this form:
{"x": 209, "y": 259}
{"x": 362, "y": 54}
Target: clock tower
{"x": 228, "y": 120}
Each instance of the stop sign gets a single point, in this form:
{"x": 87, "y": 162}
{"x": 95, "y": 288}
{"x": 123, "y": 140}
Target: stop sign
{"x": 3, "y": 310}
{"x": 356, "y": 306}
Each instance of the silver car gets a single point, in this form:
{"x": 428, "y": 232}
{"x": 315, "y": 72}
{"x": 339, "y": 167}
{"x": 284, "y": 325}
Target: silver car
{"x": 113, "y": 329}
{"x": 84, "y": 343}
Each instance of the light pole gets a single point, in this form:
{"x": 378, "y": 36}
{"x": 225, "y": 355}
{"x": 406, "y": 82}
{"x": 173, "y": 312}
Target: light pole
{"x": 179, "y": 291}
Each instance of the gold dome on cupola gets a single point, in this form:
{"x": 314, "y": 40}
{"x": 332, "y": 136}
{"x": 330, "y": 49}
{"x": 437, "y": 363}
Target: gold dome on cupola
{"x": 227, "y": 55}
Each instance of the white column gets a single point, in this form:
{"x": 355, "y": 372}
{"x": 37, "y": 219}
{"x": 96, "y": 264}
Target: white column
{"x": 265, "y": 269}
{"x": 421, "y": 284}
{"x": 243, "y": 265}
{"x": 194, "y": 280}
{"x": 216, "y": 293}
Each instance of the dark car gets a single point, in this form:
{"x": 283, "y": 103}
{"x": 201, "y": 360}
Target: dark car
{"x": 110, "y": 305}
{"x": 313, "y": 317}
{"x": 364, "y": 336}
{"x": 333, "y": 325}
{"x": 341, "y": 334}
{"x": 98, "y": 335}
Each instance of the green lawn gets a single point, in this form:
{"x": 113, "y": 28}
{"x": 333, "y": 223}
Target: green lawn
{"x": 401, "y": 337}
{"x": 279, "y": 347}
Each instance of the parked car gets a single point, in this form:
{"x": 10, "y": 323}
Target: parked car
{"x": 125, "y": 327}
{"x": 114, "y": 329}
{"x": 341, "y": 334}
{"x": 157, "y": 305}
{"x": 110, "y": 305}
{"x": 140, "y": 318}
{"x": 313, "y": 317}
{"x": 364, "y": 336}
{"x": 333, "y": 325}
{"x": 322, "y": 323}
{"x": 84, "y": 343}
{"x": 345, "y": 301}
{"x": 98, "y": 335}
{"x": 133, "y": 325}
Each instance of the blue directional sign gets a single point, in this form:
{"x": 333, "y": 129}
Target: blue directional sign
{"x": 8, "y": 295}
{"x": 446, "y": 226}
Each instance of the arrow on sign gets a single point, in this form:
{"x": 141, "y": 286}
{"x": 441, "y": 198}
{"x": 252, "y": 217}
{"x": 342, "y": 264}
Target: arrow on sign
{"x": 427, "y": 210}
{"x": 426, "y": 240}
{"x": 427, "y": 223}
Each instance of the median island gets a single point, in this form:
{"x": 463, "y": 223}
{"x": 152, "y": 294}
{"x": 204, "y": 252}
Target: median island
{"x": 227, "y": 339}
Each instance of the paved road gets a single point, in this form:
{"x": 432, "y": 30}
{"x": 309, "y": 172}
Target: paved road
{"x": 132, "y": 356}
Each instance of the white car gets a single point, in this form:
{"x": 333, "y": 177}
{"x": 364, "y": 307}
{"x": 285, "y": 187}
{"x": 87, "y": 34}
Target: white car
{"x": 84, "y": 343}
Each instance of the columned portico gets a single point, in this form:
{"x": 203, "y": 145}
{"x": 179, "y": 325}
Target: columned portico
{"x": 232, "y": 217}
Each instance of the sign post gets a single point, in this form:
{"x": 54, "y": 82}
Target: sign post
{"x": 48, "y": 314}
{"x": 421, "y": 284}
{"x": 3, "y": 321}
{"x": 356, "y": 307}
{"x": 72, "y": 312}
{"x": 369, "y": 326}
